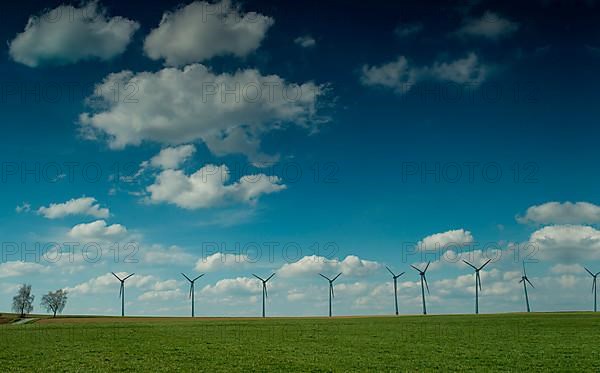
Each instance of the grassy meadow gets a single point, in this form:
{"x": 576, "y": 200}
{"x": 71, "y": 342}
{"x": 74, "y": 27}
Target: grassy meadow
{"x": 508, "y": 342}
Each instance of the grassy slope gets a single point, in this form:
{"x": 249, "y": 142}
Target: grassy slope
{"x": 557, "y": 342}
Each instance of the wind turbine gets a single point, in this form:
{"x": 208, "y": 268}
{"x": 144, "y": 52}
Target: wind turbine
{"x": 265, "y": 294}
{"x": 331, "y": 294}
{"x": 525, "y": 280}
{"x": 594, "y": 287}
{"x": 192, "y": 287}
{"x": 423, "y": 285}
{"x": 477, "y": 282}
{"x": 395, "y": 286}
{"x": 122, "y": 291}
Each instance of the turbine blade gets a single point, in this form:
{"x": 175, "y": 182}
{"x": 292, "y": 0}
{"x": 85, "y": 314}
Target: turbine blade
{"x": 335, "y": 278}
{"x": 331, "y": 288}
{"x": 470, "y": 265}
{"x": 265, "y": 289}
{"x": 416, "y": 269}
{"x": 270, "y": 277}
{"x": 400, "y": 274}
{"x": 588, "y": 271}
{"x": 426, "y": 285}
{"x": 427, "y": 266}
{"x": 390, "y": 271}
{"x": 121, "y": 290}
{"x": 118, "y": 278}
{"x": 526, "y": 279}
{"x": 191, "y": 289}
{"x": 128, "y": 276}
{"x": 524, "y": 273}
{"x": 484, "y": 264}
{"x": 593, "y": 284}
{"x": 522, "y": 279}
{"x": 325, "y": 277}
{"x": 198, "y": 277}
{"x": 478, "y": 280}
{"x": 257, "y": 277}
{"x": 183, "y": 274}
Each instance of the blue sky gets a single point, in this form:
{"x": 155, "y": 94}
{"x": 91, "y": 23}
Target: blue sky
{"x": 257, "y": 137}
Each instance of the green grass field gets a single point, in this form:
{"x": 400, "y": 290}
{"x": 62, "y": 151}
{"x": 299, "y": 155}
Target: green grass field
{"x": 509, "y": 342}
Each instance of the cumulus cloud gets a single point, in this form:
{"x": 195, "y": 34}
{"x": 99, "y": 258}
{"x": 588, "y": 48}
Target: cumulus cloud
{"x": 20, "y": 268}
{"x": 305, "y": 41}
{"x": 567, "y": 243}
{"x": 401, "y": 76}
{"x": 228, "y": 112}
{"x": 67, "y": 34}
{"x": 162, "y": 291}
{"x": 490, "y": 25}
{"x": 452, "y": 238}
{"x": 107, "y": 282}
{"x": 561, "y": 213}
{"x": 233, "y": 286}
{"x": 24, "y": 207}
{"x": 97, "y": 230}
{"x": 349, "y": 266}
{"x": 172, "y": 157}
{"x": 567, "y": 268}
{"x": 200, "y": 31}
{"x": 220, "y": 260}
{"x": 207, "y": 188}
{"x": 84, "y": 206}
{"x": 171, "y": 255}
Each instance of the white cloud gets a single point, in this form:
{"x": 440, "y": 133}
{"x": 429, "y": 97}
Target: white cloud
{"x": 400, "y": 76}
{"x": 562, "y": 213}
{"x": 20, "y": 268}
{"x": 409, "y": 29}
{"x": 85, "y": 206}
{"x": 220, "y": 260}
{"x": 228, "y": 112}
{"x": 490, "y": 25}
{"x": 233, "y": 286}
{"x": 162, "y": 291}
{"x": 567, "y": 268}
{"x": 206, "y": 187}
{"x": 24, "y": 207}
{"x": 67, "y": 34}
{"x": 450, "y": 239}
{"x": 305, "y": 41}
{"x": 107, "y": 282}
{"x": 200, "y": 31}
{"x": 350, "y": 266}
{"x": 97, "y": 230}
{"x": 172, "y": 255}
{"x": 172, "y": 157}
{"x": 162, "y": 295}
{"x": 567, "y": 243}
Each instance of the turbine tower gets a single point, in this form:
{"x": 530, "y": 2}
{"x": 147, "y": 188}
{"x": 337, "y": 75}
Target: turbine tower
{"x": 477, "y": 282}
{"x": 423, "y": 284}
{"x": 594, "y": 287}
{"x": 525, "y": 280}
{"x": 331, "y": 294}
{"x": 122, "y": 291}
{"x": 192, "y": 288}
{"x": 264, "y": 286}
{"x": 395, "y": 277}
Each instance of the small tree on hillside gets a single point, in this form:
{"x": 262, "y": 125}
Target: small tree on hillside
{"x": 23, "y": 301}
{"x": 55, "y": 302}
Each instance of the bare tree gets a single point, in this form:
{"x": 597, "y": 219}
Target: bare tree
{"x": 23, "y": 301}
{"x": 55, "y": 302}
